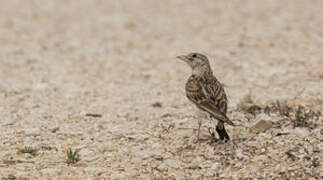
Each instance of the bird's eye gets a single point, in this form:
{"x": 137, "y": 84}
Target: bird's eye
{"x": 194, "y": 55}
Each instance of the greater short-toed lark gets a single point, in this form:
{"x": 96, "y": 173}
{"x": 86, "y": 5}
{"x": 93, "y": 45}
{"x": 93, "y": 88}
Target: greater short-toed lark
{"x": 206, "y": 93}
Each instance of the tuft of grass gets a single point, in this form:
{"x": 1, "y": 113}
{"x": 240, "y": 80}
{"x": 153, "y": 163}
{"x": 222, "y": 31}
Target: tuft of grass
{"x": 72, "y": 156}
{"x": 283, "y": 108}
{"x": 29, "y": 150}
{"x": 303, "y": 116}
{"x": 267, "y": 110}
{"x": 300, "y": 116}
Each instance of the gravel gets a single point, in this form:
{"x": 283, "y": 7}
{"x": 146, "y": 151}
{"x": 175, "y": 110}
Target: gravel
{"x": 102, "y": 77}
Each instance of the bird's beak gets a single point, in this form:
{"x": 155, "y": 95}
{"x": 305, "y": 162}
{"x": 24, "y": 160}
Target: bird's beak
{"x": 183, "y": 58}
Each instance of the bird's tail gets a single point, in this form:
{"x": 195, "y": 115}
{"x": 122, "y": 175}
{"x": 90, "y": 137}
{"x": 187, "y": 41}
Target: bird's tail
{"x": 222, "y": 133}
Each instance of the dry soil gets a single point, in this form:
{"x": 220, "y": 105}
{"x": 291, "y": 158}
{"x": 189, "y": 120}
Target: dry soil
{"x": 61, "y": 60}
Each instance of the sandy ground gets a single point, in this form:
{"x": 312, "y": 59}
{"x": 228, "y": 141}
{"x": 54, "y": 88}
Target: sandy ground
{"x": 60, "y": 60}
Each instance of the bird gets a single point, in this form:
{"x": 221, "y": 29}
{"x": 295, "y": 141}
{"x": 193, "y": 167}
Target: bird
{"x": 207, "y": 94}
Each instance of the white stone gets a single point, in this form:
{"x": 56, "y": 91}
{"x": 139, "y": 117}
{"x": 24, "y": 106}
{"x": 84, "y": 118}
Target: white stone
{"x": 91, "y": 169}
{"x": 107, "y": 116}
{"x": 145, "y": 154}
{"x": 301, "y": 132}
{"x": 214, "y": 166}
{"x": 172, "y": 163}
{"x": 49, "y": 171}
{"x": 264, "y": 116}
{"x": 4, "y": 153}
{"x": 320, "y": 146}
{"x": 32, "y": 131}
{"x": 184, "y": 132}
{"x": 40, "y": 86}
{"x": 85, "y": 152}
{"x": 162, "y": 167}
{"x": 239, "y": 154}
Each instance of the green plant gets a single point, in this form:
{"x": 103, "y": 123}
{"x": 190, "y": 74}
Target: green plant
{"x": 267, "y": 110}
{"x": 72, "y": 156}
{"x": 283, "y": 108}
{"x": 28, "y": 150}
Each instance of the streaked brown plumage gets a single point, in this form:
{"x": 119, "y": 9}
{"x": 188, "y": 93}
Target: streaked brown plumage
{"x": 206, "y": 92}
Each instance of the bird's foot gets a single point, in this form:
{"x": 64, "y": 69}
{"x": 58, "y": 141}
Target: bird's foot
{"x": 211, "y": 133}
{"x": 213, "y": 138}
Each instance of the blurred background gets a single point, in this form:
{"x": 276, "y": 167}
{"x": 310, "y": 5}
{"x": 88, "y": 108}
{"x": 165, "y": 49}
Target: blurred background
{"x": 272, "y": 45}
{"x": 62, "y": 59}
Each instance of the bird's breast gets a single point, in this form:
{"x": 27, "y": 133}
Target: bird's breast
{"x": 203, "y": 114}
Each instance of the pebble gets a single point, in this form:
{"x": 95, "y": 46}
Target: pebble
{"x": 32, "y": 131}
{"x": 162, "y": 167}
{"x": 49, "y": 171}
{"x": 215, "y": 166}
{"x": 172, "y": 163}
{"x": 300, "y": 132}
{"x": 260, "y": 126}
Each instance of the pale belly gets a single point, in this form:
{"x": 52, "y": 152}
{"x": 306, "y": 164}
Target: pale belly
{"x": 203, "y": 114}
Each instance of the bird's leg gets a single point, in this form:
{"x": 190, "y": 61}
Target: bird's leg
{"x": 212, "y": 133}
{"x": 199, "y": 129}
{"x": 214, "y": 122}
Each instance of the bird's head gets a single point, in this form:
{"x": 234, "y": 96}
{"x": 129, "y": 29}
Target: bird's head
{"x": 198, "y": 62}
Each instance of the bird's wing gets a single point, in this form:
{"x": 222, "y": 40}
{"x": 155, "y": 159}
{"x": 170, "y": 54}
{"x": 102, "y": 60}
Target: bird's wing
{"x": 210, "y": 107}
{"x": 198, "y": 95}
{"x": 213, "y": 89}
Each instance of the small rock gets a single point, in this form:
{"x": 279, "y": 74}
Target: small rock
{"x": 214, "y": 166}
{"x": 252, "y": 143}
{"x": 145, "y": 154}
{"x": 259, "y": 158}
{"x": 91, "y": 169}
{"x": 32, "y": 131}
{"x": 184, "y": 132}
{"x": 4, "y": 153}
{"x": 320, "y": 146}
{"x": 149, "y": 154}
{"x": 85, "y": 152}
{"x": 129, "y": 25}
{"x": 260, "y": 126}
{"x": 166, "y": 115}
{"x": 93, "y": 115}
{"x": 157, "y": 105}
{"x": 205, "y": 164}
{"x": 11, "y": 177}
{"x": 239, "y": 154}
{"x": 172, "y": 163}
{"x": 162, "y": 167}
{"x": 300, "y": 132}
{"x": 264, "y": 116}
{"x": 10, "y": 122}
{"x": 178, "y": 175}
{"x": 107, "y": 115}
{"x": 2, "y": 164}
{"x": 55, "y": 129}
{"x": 40, "y": 86}
{"x": 49, "y": 171}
